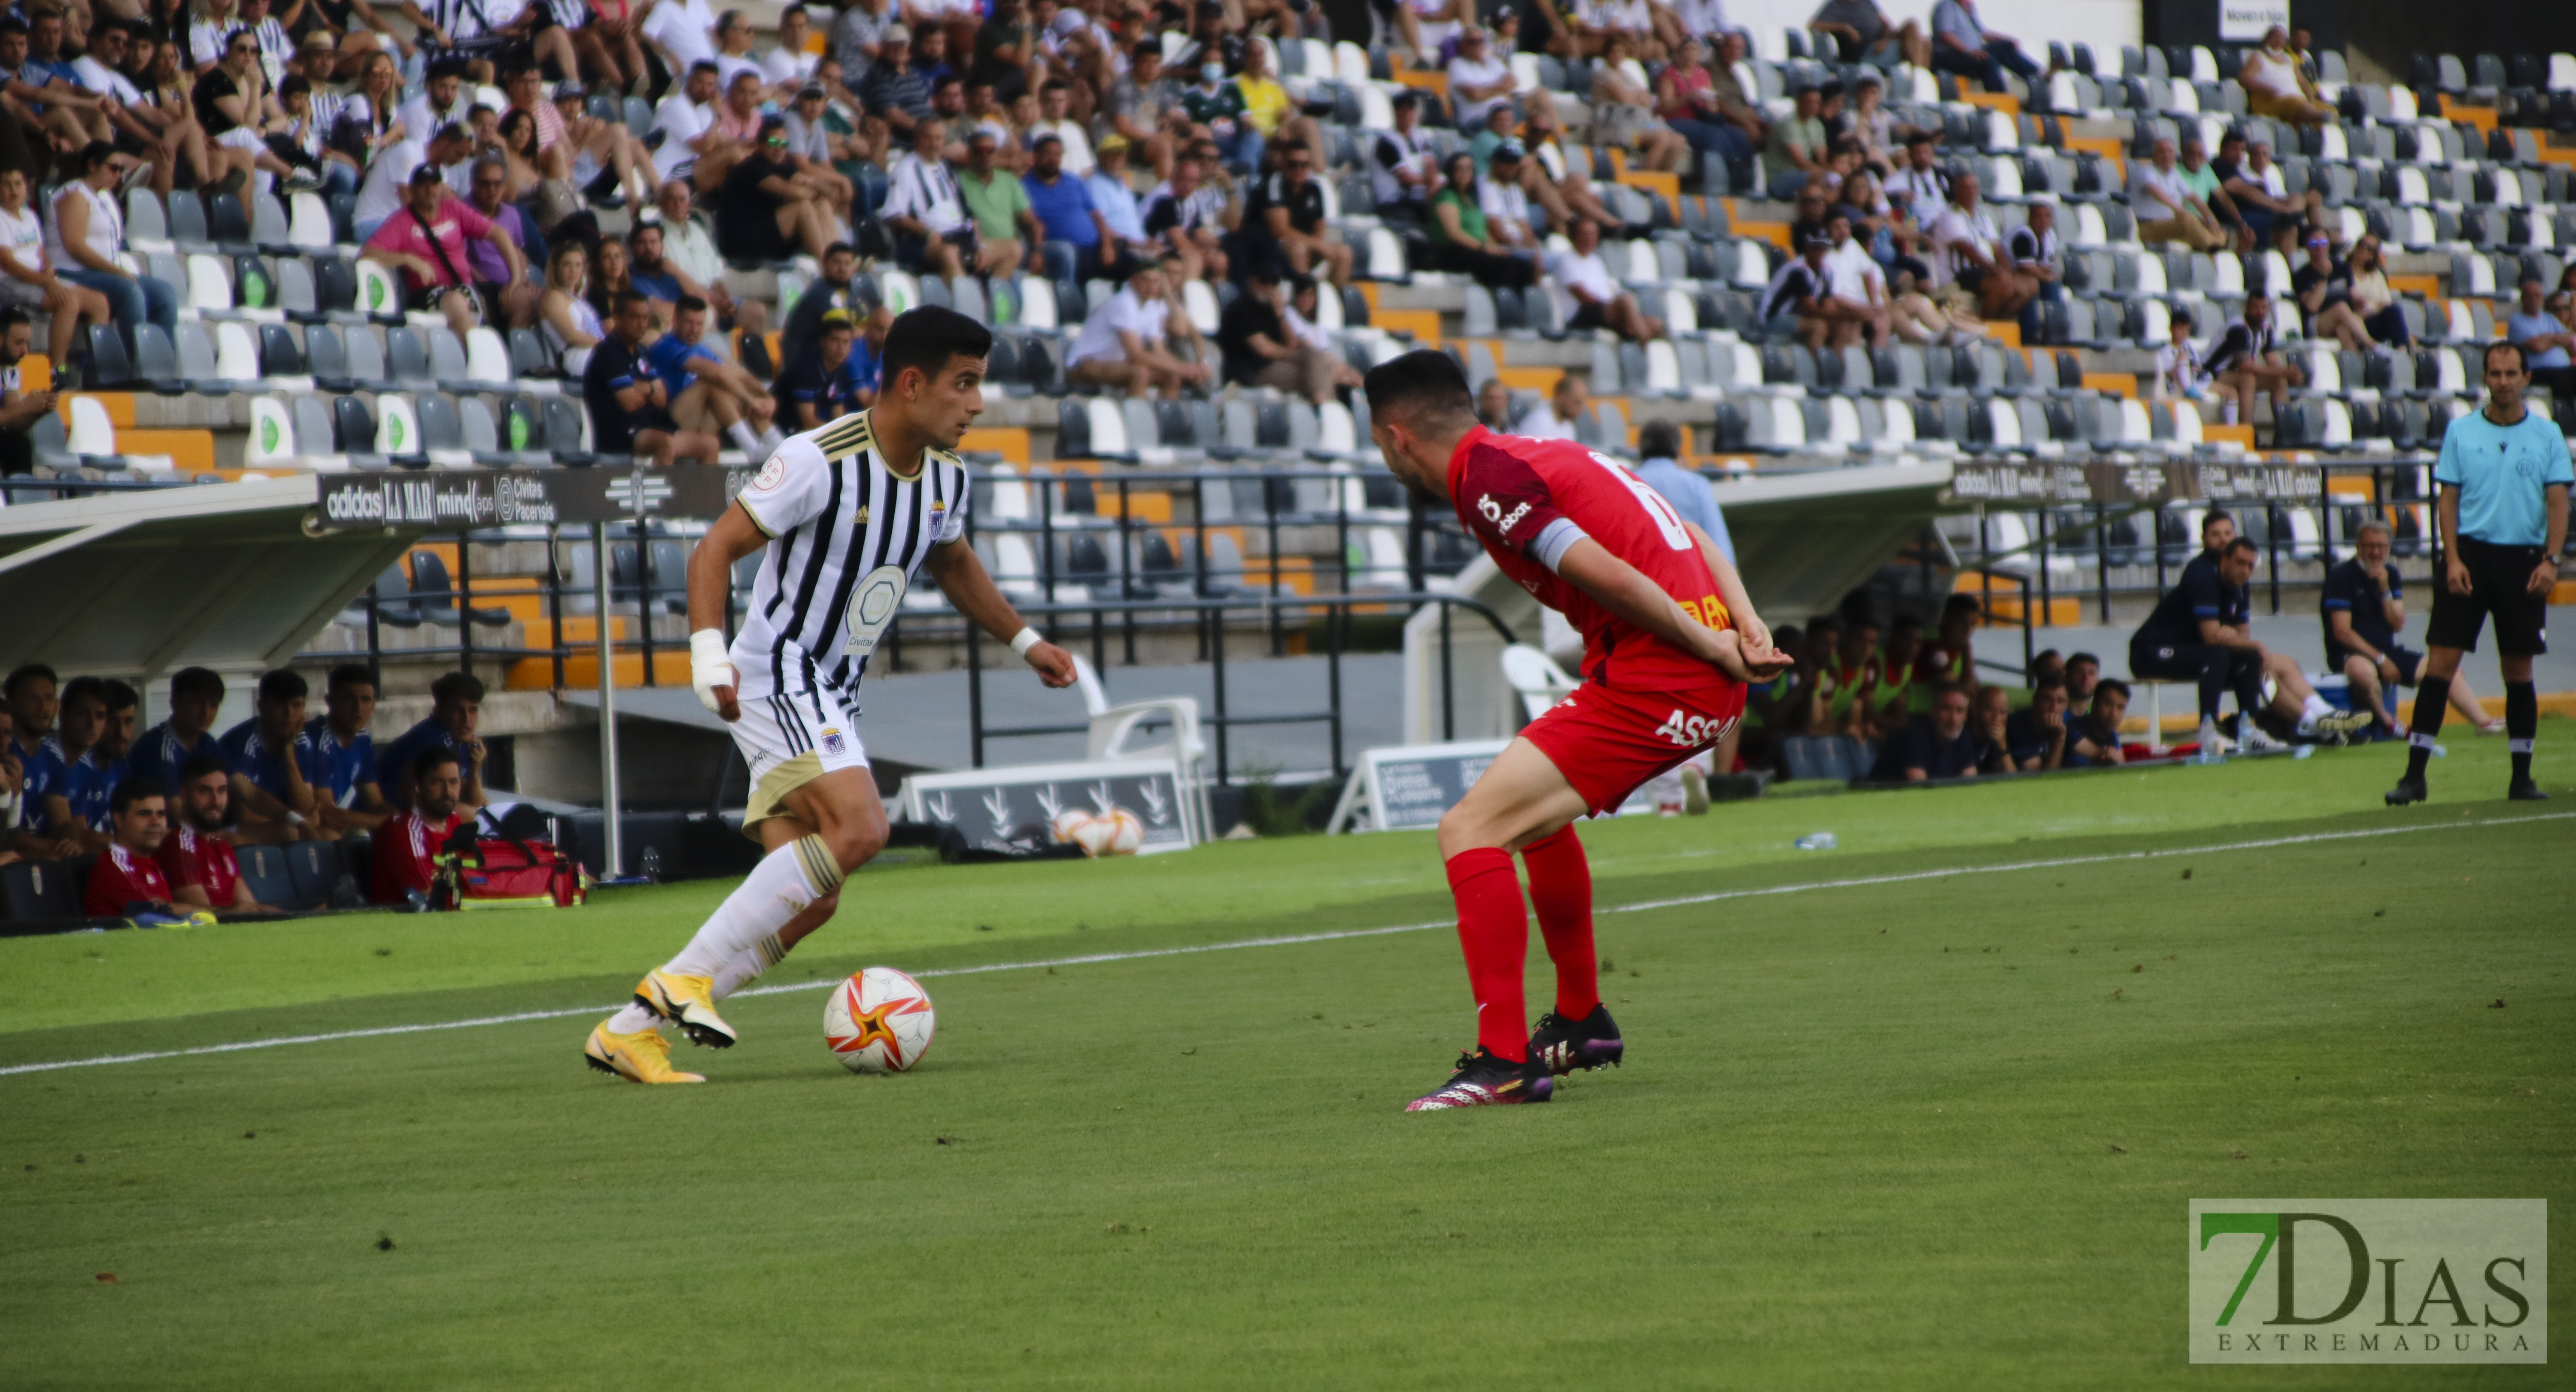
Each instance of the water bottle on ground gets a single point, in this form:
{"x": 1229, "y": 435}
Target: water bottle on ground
{"x": 1817, "y": 841}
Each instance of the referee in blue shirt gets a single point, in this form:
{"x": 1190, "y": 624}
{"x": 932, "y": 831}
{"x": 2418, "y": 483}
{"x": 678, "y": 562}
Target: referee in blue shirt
{"x": 2504, "y": 477}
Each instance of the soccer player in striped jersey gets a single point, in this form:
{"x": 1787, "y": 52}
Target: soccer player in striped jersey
{"x": 847, "y": 514}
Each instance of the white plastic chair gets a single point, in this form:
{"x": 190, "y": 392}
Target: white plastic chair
{"x": 1537, "y": 677}
{"x": 1116, "y": 734}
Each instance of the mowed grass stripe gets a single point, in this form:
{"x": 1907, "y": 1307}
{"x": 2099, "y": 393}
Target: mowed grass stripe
{"x": 1290, "y": 940}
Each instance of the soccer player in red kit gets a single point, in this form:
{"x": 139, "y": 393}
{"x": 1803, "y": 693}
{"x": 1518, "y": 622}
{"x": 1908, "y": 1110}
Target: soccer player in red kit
{"x": 126, "y": 879}
{"x": 1670, "y": 642}
{"x": 407, "y": 845}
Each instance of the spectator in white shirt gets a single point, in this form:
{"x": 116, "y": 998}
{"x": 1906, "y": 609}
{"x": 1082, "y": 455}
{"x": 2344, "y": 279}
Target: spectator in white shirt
{"x": 2035, "y": 250}
{"x": 28, "y": 282}
{"x": 1479, "y": 81}
{"x": 2166, "y": 208}
{"x": 1966, "y": 248}
{"x": 1554, "y": 418}
{"x": 1920, "y": 181}
{"x": 1599, "y": 303}
{"x": 789, "y": 65}
{"x": 679, "y": 30}
{"x": 687, "y": 121}
{"x": 1403, "y": 165}
{"x": 1121, "y": 344}
{"x": 922, "y": 202}
{"x": 1054, "y": 107}
{"x": 1507, "y": 210}
{"x": 1855, "y": 300}
{"x": 2178, "y": 374}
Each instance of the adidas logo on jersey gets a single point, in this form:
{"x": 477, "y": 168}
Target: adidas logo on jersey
{"x": 1692, "y": 731}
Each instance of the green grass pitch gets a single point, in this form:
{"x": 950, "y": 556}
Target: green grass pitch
{"x": 1925, "y": 1132}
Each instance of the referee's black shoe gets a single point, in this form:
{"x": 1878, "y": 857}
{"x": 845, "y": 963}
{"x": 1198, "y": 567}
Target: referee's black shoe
{"x": 2524, "y": 790}
{"x": 2407, "y": 790}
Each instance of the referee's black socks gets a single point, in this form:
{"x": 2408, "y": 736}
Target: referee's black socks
{"x": 2432, "y": 699}
{"x": 2521, "y": 725}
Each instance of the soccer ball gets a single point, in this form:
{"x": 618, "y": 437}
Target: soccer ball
{"x": 1069, "y": 826}
{"x": 878, "y": 1021}
{"x": 1114, "y": 832}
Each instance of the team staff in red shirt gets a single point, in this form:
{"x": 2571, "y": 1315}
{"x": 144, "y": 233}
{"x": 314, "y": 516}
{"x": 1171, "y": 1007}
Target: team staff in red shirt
{"x": 1670, "y": 641}
{"x": 125, "y": 880}
{"x": 407, "y": 845}
{"x": 195, "y": 858}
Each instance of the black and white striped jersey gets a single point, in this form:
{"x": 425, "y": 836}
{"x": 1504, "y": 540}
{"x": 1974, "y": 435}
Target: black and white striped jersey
{"x": 846, "y": 536}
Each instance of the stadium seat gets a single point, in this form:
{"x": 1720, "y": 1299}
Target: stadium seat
{"x": 35, "y": 891}
{"x": 353, "y": 429}
{"x": 319, "y": 876}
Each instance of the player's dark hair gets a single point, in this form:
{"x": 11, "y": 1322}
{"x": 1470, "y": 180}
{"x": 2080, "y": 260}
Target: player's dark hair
{"x": 2049, "y": 681}
{"x": 456, "y": 686}
{"x": 2503, "y": 345}
{"x": 628, "y": 299}
{"x": 25, "y": 671}
{"x": 284, "y": 684}
{"x": 926, "y": 338}
{"x": 1659, "y": 440}
{"x": 81, "y": 688}
{"x": 2244, "y": 544}
{"x": 429, "y": 760}
{"x": 120, "y": 696}
{"x": 2073, "y": 658}
{"x": 455, "y": 68}
{"x": 196, "y": 681}
{"x": 352, "y": 674}
{"x": 839, "y": 249}
{"x": 1425, "y": 384}
{"x": 198, "y": 766}
{"x": 689, "y": 304}
{"x": 1958, "y": 604}
{"x": 131, "y": 791}
{"x": 2111, "y": 684}
{"x": 2213, "y": 517}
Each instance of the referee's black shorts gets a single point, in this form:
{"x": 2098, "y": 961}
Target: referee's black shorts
{"x": 2499, "y": 585}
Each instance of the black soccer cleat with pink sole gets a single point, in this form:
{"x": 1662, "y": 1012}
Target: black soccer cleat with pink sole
{"x": 1564, "y": 1046}
{"x": 1484, "y": 1080}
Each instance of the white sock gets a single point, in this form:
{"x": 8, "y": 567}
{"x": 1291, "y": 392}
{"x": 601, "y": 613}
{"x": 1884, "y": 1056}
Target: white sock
{"x": 2227, "y": 411}
{"x": 741, "y": 433}
{"x": 781, "y": 886}
{"x": 746, "y": 969}
{"x": 2316, "y": 706}
{"x": 768, "y": 443}
{"x": 634, "y": 1019}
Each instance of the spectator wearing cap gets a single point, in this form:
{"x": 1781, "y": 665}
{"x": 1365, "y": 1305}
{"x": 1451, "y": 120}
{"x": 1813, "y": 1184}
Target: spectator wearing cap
{"x": 1260, "y": 349}
{"x": 1065, "y": 211}
{"x": 893, "y": 91}
{"x": 343, "y": 774}
{"x": 1480, "y": 82}
{"x": 1961, "y": 44}
{"x": 630, "y": 408}
{"x": 601, "y": 157}
{"x": 425, "y": 243}
{"x": 127, "y": 879}
{"x": 1188, "y": 215}
{"x": 1116, "y": 201}
{"x": 1122, "y": 342}
{"x": 1797, "y": 148}
{"x": 1501, "y": 193}
{"x": 2545, "y": 343}
{"x": 270, "y": 759}
{"x": 1599, "y": 303}
{"x": 196, "y": 695}
{"x": 767, "y": 212}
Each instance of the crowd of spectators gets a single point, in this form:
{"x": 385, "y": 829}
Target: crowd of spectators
{"x": 156, "y": 813}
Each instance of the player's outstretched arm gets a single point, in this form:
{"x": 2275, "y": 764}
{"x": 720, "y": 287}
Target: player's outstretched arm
{"x": 961, "y": 577}
{"x": 1626, "y": 592}
{"x": 1730, "y": 591}
{"x": 733, "y": 537}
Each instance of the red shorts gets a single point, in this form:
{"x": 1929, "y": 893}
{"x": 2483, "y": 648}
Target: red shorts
{"x": 1607, "y": 742}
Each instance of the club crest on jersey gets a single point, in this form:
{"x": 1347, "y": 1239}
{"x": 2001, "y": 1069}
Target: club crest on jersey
{"x": 1692, "y": 731}
{"x": 771, "y": 473}
{"x": 834, "y": 745}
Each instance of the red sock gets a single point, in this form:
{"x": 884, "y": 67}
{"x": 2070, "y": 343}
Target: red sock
{"x": 1493, "y": 928}
{"x": 1560, "y": 888}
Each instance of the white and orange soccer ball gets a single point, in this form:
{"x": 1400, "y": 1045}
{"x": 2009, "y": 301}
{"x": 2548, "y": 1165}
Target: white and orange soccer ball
{"x": 1069, "y": 826}
{"x": 1114, "y": 832}
{"x": 878, "y": 1021}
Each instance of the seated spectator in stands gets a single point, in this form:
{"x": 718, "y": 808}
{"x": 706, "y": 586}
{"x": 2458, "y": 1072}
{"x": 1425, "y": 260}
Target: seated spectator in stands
{"x": 1066, "y": 213}
{"x": 1122, "y": 342}
{"x": 28, "y": 284}
{"x": 407, "y": 846}
{"x": 1006, "y": 228}
{"x": 1936, "y": 745}
{"x": 2275, "y": 86}
{"x": 2036, "y": 736}
{"x": 515, "y": 296}
{"x": 1552, "y": 181}
{"x": 2365, "y": 610}
{"x": 1855, "y": 299}
{"x": 2202, "y": 180}
{"x": 1186, "y": 215}
{"x": 1599, "y": 303}
{"x": 2082, "y": 672}
{"x": 2036, "y": 253}
{"x": 1554, "y": 418}
{"x": 630, "y": 409}
{"x": 2095, "y": 739}
{"x": 1117, "y": 204}
{"x": 1494, "y": 406}
{"x": 838, "y": 289}
{"x": 1659, "y": 448}
{"x": 20, "y": 409}
{"x": 1427, "y": 26}
{"x": 1055, "y": 118}
{"x": 1623, "y": 111}
{"x": 340, "y": 762}
{"x": 1961, "y": 44}
{"x": 1796, "y": 153}
{"x": 1989, "y": 716}
{"x": 2323, "y": 287}
{"x": 1686, "y": 97}
{"x": 1860, "y": 32}
{"x": 425, "y": 242}
{"x": 38, "y": 102}
{"x": 2201, "y": 632}
{"x": 707, "y": 393}
{"x": 1479, "y": 81}
{"x": 686, "y": 121}
{"x": 926, "y": 210}
{"x": 650, "y": 273}
{"x": 1913, "y": 317}
{"x": 2167, "y": 209}
{"x": 2243, "y": 361}
{"x": 817, "y": 387}
{"x": 1403, "y": 165}
{"x": 566, "y": 319}
{"x": 196, "y": 860}
{"x": 599, "y": 157}
{"x": 98, "y": 735}
{"x": 387, "y": 186}
{"x": 1793, "y": 307}
{"x": 768, "y": 213}
{"x": 1462, "y": 238}
{"x": 1261, "y": 351}
{"x": 2372, "y": 297}
{"x": 2545, "y": 342}
{"x": 1965, "y": 244}
{"x": 2179, "y": 376}
{"x": 1921, "y": 181}
{"x": 268, "y": 755}
{"x": 2259, "y": 191}
{"x": 196, "y": 695}
{"x": 84, "y": 236}
{"x": 127, "y": 881}
{"x": 1284, "y": 219}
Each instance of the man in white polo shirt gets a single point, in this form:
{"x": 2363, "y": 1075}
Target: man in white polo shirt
{"x": 1599, "y": 303}
{"x": 1121, "y": 344}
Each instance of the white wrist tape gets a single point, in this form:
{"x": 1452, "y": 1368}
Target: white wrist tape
{"x": 710, "y": 666}
{"x": 1024, "y": 640}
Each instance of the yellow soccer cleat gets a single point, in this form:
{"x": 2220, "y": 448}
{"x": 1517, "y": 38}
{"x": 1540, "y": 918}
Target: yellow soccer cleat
{"x": 638, "y": 1058}
{"x": 686, "y": 1001}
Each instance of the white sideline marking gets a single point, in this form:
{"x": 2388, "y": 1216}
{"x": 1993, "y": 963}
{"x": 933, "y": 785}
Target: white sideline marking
{"x": 1299, "y": 938}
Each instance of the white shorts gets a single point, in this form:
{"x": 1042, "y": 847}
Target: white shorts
{"x": 789, "y": 740}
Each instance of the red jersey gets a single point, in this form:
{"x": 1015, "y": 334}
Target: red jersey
{"x": 122, "y": 877}
{"x": 191, "y": 857}
{"x": 406, "y": 854}
{"x": 1529, "y": 500}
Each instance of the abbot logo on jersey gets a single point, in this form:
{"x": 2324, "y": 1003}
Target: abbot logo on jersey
{"x": 1494, "y": 513}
